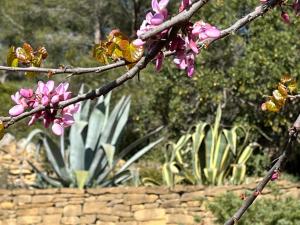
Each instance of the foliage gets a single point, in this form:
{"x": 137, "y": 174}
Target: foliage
{"x": 286, "y": 86}
{"x": 26, "y": 56}
{"x": 116, "y": 47}
{"x": 265, "y": 211}
{"x": 92, "y": 153}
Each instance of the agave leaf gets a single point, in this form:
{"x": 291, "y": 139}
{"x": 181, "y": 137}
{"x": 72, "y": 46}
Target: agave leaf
{"x": 138, "y": 155}
{"x": 247, "y": 152}
{"x": 179, "y": 145}
{"x": 125, "y": 151}
{"x": 209, "y": 148}
{"x": 122, "y": 177}
{"x": 147, "y": 181}
{"x": 45, "y": 177}
{"x": 84, "y": 109}
{"x": 117, "y": 179}
{"x": 110, "y": 153}
{"x": 225, "y": 160}
{"x": 198, "y": 137}
{"x": 97, "y": 166}
{"x": 77, "y": 146}
{"x": 211, "y": 175}
{"x": 231, "y": 137}
{"x": 31, "y": 135}
{"x": 55, "y": 158}
{"x": 167, "y": 176}
{"x": 219, "y": 151}
{"x": 174, "y": 168}
{"x": 96, "y": 123}
{"x": 238, "y": 173}
{"x": 121, "y": 121}
{"x": 116, "y": 122}
{"x": 134, "y": 144}
{"x": 81, "y": 177}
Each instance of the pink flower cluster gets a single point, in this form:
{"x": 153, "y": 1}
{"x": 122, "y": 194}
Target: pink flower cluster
{"x": 153, "y": 19}
{"x": 185, "y": 44}
{"x": 46, "y": 94}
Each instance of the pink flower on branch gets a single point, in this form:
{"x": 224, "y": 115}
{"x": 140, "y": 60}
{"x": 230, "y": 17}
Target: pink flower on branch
{"x": 185, "y": 44}
{"x": 153, "y": 19}
{"x": 275, "y": 175}
{"x": 46, "y": 94}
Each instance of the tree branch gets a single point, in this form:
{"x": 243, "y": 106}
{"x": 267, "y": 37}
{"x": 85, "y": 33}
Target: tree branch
{"x": 259, "y": 11}
{"x": 293, "y": 133}
{"x": 74, "y": 71}
{"x": 179, "y": 18}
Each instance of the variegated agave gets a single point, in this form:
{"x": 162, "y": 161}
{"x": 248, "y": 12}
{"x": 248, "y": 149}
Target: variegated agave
{"x": 208, "y": 155}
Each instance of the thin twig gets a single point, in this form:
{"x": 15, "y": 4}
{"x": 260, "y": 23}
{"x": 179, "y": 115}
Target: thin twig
{"x": 259, "y": 11}
{"x": 293, "y": 133}
{"x": 74, "y": 71}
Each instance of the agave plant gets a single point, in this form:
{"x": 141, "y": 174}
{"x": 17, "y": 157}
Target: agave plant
{"x": 216, "y": 152}
{"x": 207, "y": 156}
{"x": 92, "y": 152}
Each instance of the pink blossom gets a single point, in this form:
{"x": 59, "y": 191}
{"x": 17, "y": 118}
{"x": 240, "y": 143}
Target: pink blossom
{"x": 159, "y": 60}
{"x": 153, "y": 19}
{"x": 46, "y": 94}
{"x": 285, "y": 17}
{"x": 186, "y": 61}
{"x": 205, "y": 31}
{"x": 275, "y": 175}
{"x": 184, "y": 4}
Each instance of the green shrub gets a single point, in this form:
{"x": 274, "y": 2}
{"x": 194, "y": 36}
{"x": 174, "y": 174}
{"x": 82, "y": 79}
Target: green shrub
{"x": 264, "y": 211}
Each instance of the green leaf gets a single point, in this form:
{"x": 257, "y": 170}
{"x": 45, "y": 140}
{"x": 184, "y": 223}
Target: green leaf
{"x": 1, "y": 129}
{"x": 77, "y": 137}
{"x": 11, "y": 58}
{"x": 81, "y": 177}
{"x": 110, "y": 153}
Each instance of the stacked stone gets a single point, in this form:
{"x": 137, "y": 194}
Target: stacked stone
{"x": 14, "y": 170}
{"x": 182, "y": 205}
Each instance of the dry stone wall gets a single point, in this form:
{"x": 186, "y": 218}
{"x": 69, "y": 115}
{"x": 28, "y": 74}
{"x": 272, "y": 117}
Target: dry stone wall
{"x": 182, "y": 205}
{"x": 15, "y": 170}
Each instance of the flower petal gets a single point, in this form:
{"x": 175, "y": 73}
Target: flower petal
{"x": 50, "y": 85}
{"x": 157, "y": 19}
{"x": 57, "y": 129}
{"x": 163, "y": 4}
{"x": 213, "y": 33}
{"x": 138, "y": 42}
{"x": 16, "y": 110}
